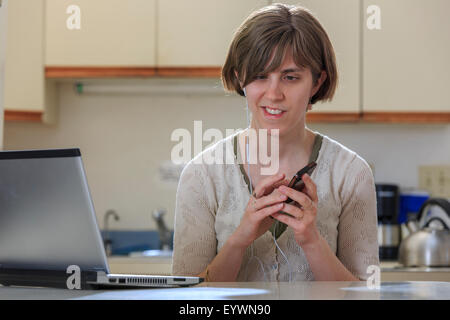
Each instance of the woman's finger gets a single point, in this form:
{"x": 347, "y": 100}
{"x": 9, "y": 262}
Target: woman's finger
{"x": 294, "y": 211}
{"x": 292, "y": 222}
{"x": 281, "y": 183}
{"x": 301, "y": 198}
{"x": 266, "y": 183}
{"x": 270, "y": 210}
{"x": 270, "y": 199}
{"x": 310, "y": 187}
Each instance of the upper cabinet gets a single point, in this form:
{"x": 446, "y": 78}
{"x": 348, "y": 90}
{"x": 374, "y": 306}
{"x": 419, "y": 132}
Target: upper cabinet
{"x": 100, "y": 33}
{"x": 28, "y": 96}
{"x": 392, "y": 56}
{"x": 341, "y": 20}
{"x": 406, "y": 61}
{"x": 198, "y": 33}
{"x": 142, "y": 33}
{"x": 24, "y": 78}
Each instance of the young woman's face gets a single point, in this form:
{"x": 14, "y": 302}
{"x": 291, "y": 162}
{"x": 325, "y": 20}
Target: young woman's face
{"x": 278, "y": 100}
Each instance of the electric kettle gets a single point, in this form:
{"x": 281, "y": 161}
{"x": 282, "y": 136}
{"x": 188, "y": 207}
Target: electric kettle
{"x": 429, "y": 246}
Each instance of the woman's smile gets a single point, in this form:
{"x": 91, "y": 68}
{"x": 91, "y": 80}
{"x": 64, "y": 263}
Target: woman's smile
{"x": 272, "y": 112}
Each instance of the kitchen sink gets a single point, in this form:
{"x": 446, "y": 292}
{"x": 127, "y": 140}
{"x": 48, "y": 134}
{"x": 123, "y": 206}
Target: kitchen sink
{"x": 152, "y": 253}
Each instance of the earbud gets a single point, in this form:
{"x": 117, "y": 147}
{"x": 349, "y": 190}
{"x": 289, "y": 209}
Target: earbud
{"x": 245, "y": 93}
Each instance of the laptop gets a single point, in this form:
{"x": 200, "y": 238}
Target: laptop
{"x": 49, "y": 236}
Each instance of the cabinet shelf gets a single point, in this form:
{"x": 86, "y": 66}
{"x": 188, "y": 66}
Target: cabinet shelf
{"x": 134, "y": 72}
{"x": 27, "y": 116}
{"x": 324, "y": 117}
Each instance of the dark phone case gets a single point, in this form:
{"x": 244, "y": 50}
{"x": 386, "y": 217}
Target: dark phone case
{"x": 297, "y": 182}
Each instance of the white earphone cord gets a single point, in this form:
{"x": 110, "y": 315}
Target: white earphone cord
{"x": 251, "y": 193}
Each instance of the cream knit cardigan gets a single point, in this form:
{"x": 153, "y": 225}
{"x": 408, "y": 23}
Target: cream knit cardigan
{"x": 211, "y": 199}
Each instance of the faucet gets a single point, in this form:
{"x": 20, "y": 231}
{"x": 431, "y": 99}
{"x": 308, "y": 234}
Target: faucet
{"x": 164, "y": 232}
{"x": 108, "y": 242}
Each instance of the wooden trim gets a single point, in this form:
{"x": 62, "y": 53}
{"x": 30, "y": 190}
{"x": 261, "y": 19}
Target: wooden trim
{"x": 98, "y": 72}
{"x": 323, "y": 117}
{"x": 117, "y": 72}
{"x": 406, "y": 117}
{"x": 199, "y": 72}
{"x": 29, "y": 116}
{"x": 333, "y": 117}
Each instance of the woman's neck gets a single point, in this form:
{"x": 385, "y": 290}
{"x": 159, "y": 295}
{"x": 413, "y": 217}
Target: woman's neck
{"x": 295, "y": 144}
{"x": 293, "y": 150}
{"x": 291, "y": 145}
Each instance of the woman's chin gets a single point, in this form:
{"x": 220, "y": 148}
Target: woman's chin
{"x": 272, "y": 129}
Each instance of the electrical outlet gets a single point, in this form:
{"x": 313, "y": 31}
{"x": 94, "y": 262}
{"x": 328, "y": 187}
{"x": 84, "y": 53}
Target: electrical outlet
{"x": 435, "y": 180}
{"x": 443, "y": 181}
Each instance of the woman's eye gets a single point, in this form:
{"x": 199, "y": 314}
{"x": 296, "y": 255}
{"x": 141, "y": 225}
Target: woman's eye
{"x": 291, "y": 78}
{"x": 260, "y": 76}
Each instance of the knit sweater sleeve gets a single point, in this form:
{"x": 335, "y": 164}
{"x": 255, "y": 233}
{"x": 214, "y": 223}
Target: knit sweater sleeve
{"x": 357, "y": 243}
{"x": 194, "y": 235}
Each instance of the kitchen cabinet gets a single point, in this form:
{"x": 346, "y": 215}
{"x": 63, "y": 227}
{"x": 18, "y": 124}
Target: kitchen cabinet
{"x": 110, "y": 33}
{"x": 157, "y": 33}
{"x": 3, "y": 17}
{"x": 198, "y": 33}
{"x": 405, "y": 62}
{"x": 344, "y": 33}
{"x": 397, "y": 73}
{"x": 27, "y": 94}
{"x": 164, "y": 38}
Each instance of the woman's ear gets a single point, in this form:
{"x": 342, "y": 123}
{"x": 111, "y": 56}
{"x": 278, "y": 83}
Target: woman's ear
{"x": 319, "y": 81}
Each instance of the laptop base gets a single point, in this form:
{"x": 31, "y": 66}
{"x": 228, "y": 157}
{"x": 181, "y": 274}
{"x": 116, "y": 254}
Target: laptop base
{"x": 45, "y": 278}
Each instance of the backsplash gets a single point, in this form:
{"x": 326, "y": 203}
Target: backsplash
{"x": 125, "y": 140}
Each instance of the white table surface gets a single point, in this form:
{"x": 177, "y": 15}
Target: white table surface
{"x": 248, "y": 290}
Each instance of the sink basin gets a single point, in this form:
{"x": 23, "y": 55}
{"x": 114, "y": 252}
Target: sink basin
{"x": 152, "y": 253}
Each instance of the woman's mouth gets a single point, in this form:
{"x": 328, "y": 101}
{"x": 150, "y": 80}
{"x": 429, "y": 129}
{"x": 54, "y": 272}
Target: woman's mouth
{"x": 273, "y": 113}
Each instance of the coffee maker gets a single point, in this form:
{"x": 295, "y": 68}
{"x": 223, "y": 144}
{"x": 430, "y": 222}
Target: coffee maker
{"x": 388, "y": 207}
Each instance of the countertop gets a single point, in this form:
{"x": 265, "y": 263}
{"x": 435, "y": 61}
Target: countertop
{"x": 391, "y": 271}
{"x": 388, "y": 266}
{"x": 394, "y": 266}
{"x": 311, "y": 290}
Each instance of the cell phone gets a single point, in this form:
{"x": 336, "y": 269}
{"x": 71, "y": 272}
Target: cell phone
{"x": 297, "y": 182}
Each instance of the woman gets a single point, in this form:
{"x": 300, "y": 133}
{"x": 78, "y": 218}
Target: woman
{"x": 281, "y": 57}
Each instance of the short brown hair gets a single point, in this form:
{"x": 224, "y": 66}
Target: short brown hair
{"x": 277, "y": 27}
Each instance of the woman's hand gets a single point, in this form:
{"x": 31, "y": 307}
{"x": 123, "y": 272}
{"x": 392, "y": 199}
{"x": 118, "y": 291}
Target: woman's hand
{"x": 303, "y": 211}
{"x": 265, "y": 201}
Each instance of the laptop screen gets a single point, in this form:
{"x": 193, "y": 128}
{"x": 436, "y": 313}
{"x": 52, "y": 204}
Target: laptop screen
{"x": 47, "y": 219}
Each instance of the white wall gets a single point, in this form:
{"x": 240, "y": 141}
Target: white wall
{"x": 125, "y": 137}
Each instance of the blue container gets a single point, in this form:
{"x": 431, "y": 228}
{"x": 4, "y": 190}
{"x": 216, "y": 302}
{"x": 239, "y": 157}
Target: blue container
{"x": 410, "y": 203}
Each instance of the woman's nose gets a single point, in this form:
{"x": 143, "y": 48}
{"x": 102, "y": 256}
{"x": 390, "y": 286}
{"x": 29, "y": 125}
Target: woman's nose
{"x": 274, "y": 91}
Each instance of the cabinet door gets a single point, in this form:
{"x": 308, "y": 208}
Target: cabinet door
{"x": 198, "y": 32}
{"x": 111, "y": 33}
{"x": 341, "y": 20}
{"x": 24, "y": 72}
{"x": 406, "y": 62}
